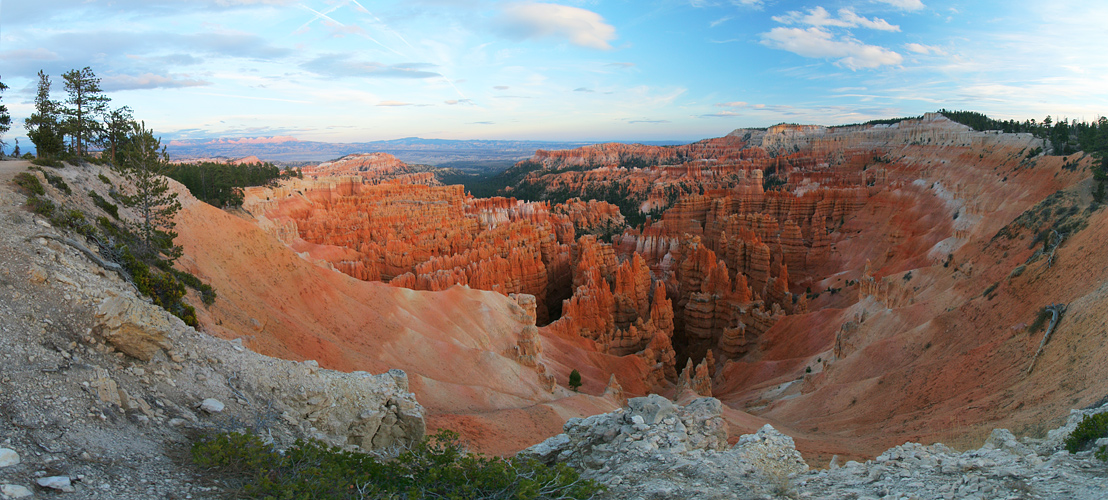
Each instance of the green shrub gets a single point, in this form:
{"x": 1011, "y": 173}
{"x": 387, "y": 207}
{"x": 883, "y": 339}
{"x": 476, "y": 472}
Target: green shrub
{"x": 55, "y": 180}
{"x": 47, "y": 162}
{"x": 1091, "y": 428}
{"x": 574, "y": 379}
{"x": 162, "y": 287}
{"x": 438, "y": 467}
{"x": 207, "y": 293}
{"x": 103, "y": 178}
{"x": 41, "y": 206}
{"x": 30, "y": 183}
{"x": 111, "y": 208}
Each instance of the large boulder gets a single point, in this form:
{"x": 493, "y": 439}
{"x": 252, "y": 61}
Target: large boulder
{"x": 133, "y": 327}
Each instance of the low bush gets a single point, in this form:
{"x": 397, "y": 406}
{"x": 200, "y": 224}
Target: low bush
{"x": 41, "y": 206}
{"x": 47, "y": 162}
{"x": 207, "y": 293}
{"x": 29, "y": 183}
{"x": 1091, "y": 428}
{"x": 57, "y": 181}
{"x": 111, "y": 208}
{"x": 162, "y": 287}
{"x": 437, "y": 467}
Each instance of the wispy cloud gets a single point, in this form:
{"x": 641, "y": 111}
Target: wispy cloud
{"x": 581, "y": 27}
{"x": 148, "y": 81}
{"x": 170, "y": 59}
{"x": 818, "y": 43}
{"x": 904, "y": 4}
{"x": 722, "y": 114}
{"x": 39, "y": 54}
{"x": 253, "y": 98}
{"x": 736, "y": 105}
{"x": 757, "y": 4}
{"x": 924, "y": 49}
{"x": 584, "y": 89}
{"x": 342, "y": 65}
{"x": 819, "y": 17}
{"x": 391, "y": 104}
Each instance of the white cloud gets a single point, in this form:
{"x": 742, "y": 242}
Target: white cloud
{"x": 148, "y": 81}
{"x": 37, "y": 54}
{"x": 393, "y": 103}
{"x": 919, "y": 48}
{"x": 904, "y": 4}
{"x": 819, "y": 17}
{"x": 757, "y": 4}
{"x": 581, "y": 27}
{"x": 818, "y": 43}
{"x": 776, "y": 108}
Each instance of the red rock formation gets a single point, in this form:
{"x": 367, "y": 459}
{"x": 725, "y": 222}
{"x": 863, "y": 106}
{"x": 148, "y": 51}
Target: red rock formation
{"x": 715, "y": 271}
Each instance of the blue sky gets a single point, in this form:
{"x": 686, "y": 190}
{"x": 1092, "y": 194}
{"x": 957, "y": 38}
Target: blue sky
{"x": 360, "y": 70}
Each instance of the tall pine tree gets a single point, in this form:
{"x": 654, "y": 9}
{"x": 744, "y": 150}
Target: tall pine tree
{"x": 5, "y": 118}
{"x": 144, "y": 163}
{"x": 116, "y": 130}
{"x": 43, "y": 127}
{"x": 86, "y": 100}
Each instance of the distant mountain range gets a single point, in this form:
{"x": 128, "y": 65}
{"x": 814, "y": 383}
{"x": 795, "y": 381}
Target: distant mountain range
{"x": 409, "y": 149}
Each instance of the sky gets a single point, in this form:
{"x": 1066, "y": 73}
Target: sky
{"x": 573, "y": 70}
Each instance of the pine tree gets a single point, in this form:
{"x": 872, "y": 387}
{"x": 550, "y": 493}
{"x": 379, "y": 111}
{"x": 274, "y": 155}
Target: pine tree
{"x": 117, "y": 126}
{"x": 5, "y": 118}
{"x": 574, "y": 379}
{"x": 86, "y": 100}
{"x": 144, "y": 163}
{"x": 42, "y": 126}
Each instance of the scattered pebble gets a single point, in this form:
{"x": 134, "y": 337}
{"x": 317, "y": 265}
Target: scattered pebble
{"x": 8, "y": 457}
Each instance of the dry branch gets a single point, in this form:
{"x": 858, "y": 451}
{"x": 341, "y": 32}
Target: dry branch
{"x": 1056, "y": 310}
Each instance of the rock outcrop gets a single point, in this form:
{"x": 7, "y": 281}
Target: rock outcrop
{"x": 655, "y": 449}
{"x": 368, "y": 411}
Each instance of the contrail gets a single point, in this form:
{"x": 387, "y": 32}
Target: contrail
{"x": 323, "y": 15}
{"x": 318, "y": 15}
{"x": 382, "y": 23}
{"x": 452, "y": 85}
{"x": 355, "y": 2}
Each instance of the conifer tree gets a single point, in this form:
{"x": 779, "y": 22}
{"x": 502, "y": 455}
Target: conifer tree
{"x": 116, "y": 130}
{"x": 86, "y": 100}
{"x": 5, "y": 118}
{"x": 144, "y": 161}
{"x": 42, "y": 126}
